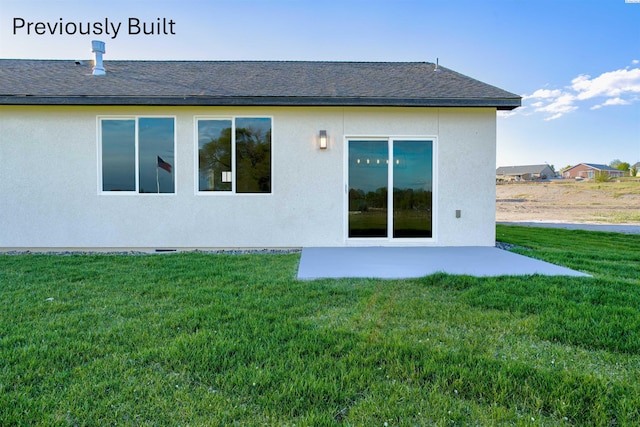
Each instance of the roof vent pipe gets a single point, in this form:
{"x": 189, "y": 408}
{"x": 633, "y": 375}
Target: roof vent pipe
{"x": 97, "y": 47}
{"x": 437, "y": 67}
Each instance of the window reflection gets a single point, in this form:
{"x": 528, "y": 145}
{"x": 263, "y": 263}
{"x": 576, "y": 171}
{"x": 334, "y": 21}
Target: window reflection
{"x": 152, "y": 140}
{"x": 118, "y": 155}
{"x": 155, "y": 139}
{"x": 412, "y": 188}
{"x": 368, "y": 188}
{"x": 234, "y": 154}
{"x": 214, "y": 155}
{"x": 409, "y": 167}
{"x": 253, "y": 155}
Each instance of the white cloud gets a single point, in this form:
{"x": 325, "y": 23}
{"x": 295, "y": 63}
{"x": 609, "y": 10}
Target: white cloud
{"x": 560, "y": 105}
{"x": 543, "y": 94}
{"x": 619, "y": 87}
{"x": 635, "y": 61}
{"x": 611, "y": 84}
{"x": 611, "y": 101}
{"x": 553, "y": 103}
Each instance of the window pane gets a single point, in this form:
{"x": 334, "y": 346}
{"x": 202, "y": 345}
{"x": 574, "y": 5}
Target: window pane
{"x": 156, "y": 154}
{"x": 253, "y": 155}
{"x": 214, "y": 154}
{"x": 412, "y": 188}
{"x": 118, "y": 155}
{"x": 368, "y": 188}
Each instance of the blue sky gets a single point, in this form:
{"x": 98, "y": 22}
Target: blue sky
{"x": 576, "y": 62}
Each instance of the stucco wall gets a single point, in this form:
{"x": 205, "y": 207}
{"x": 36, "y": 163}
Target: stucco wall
{"x": 49, "y": 194}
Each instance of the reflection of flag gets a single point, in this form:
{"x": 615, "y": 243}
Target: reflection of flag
{"x": 164, "y": 165}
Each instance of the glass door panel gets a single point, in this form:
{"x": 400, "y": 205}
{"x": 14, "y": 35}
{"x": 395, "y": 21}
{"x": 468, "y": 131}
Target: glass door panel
{"x": 368, "y": 188}
{"x": 412, "y": 189}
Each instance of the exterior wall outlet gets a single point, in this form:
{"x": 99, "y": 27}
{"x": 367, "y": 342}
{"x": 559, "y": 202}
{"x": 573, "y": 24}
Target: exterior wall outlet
{"x": 458, "y": 213}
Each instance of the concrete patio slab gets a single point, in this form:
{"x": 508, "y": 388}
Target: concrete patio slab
{"x": 411, "y": 262}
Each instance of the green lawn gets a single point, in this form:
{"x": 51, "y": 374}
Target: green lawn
{"x": 197, "y": 339}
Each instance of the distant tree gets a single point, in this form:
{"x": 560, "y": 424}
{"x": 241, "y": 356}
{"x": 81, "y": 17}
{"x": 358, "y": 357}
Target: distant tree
{"x": 357, "y": 200}
{"x": 623, "y": 166}
{"x": 615, "y": 163}
{"x": 633, "y": 171}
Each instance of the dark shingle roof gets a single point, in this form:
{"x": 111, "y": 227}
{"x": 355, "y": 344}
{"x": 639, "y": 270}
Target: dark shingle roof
{"x": 600, "y": 167}
{"x": 245, "y": 83}
{"x": 521, "y": 170}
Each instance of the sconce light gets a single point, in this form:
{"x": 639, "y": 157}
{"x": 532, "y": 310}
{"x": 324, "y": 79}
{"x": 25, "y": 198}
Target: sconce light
{"x": 322, "y": 140}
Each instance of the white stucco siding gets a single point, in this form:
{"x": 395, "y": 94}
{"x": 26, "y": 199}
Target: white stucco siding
{"x": 467, "y": 156}
{"x": 44, "y": 157}
{"x": 49, "y": 196}
{"x": 465, "y": 164}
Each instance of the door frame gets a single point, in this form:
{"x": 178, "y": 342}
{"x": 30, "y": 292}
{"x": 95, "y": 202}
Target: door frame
{"x": 390, "y": 240}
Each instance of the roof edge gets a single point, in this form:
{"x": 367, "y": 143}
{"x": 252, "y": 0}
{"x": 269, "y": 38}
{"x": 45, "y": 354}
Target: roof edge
{"x": 194, "y": 100}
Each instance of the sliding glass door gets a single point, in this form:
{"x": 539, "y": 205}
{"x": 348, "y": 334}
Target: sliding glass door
{"x": 406, "y": 167}
{"x": 412, "y": 188}
{"x": 368, "y": 188}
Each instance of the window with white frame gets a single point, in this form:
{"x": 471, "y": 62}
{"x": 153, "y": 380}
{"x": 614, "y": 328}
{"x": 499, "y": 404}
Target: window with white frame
{"x": 137, "y": 154}
{"x": 234, "y": 154}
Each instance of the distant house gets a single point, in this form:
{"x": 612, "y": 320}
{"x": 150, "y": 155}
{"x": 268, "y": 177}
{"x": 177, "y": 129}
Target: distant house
{"x": 213, "y": 154}
{"x": 590, "y": 171}
{"x": 525, "y": 173}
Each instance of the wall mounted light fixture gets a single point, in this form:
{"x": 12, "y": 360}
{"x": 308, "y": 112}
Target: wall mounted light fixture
{"x": 323, "y": 140}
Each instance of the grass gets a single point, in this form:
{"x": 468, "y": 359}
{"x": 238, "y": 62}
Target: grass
{"x": 618, "y": 217}
{"x": 196, "y": 339}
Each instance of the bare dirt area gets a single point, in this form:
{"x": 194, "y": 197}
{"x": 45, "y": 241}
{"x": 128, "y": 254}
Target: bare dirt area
{"x": 569, "y": 201}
